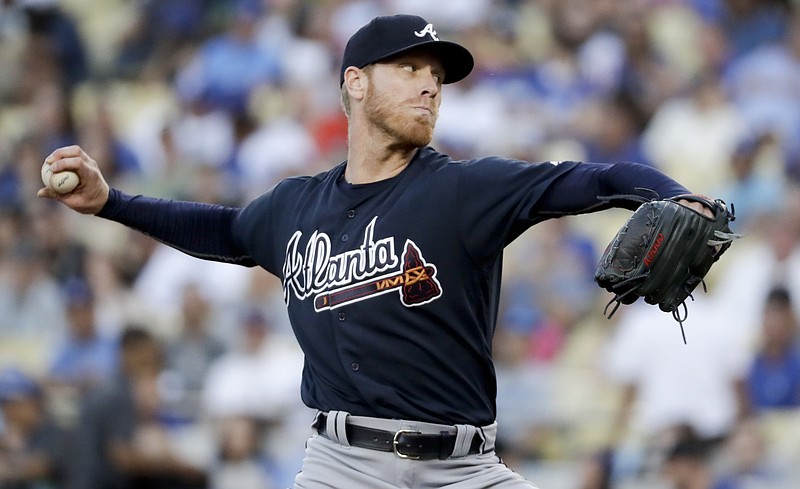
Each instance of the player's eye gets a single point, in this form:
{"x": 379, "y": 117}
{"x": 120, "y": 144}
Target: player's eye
{"x": 409, "y": 68}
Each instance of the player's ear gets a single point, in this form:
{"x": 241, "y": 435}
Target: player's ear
{"x": 355, "y": 80}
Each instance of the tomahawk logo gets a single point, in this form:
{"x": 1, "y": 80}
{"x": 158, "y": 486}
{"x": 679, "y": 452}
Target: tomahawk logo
{"x": 427, "y": 30}
{"x": 371, "y": 270}
{"x": 416, "y": 282}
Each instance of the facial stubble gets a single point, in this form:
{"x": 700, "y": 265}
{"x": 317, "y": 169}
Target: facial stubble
{"x": 394, "y": 120}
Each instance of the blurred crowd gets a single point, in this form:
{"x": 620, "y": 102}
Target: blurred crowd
{"x": 126, "y": 362}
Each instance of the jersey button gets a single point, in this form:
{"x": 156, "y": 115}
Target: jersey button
{"x": 342, "y": 316}
{"x": 355, "y": 366}
{"x": 351, "y": 213}
{"x": 345, "y": 237}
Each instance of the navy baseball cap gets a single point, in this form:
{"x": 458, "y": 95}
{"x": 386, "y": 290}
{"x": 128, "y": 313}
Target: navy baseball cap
{"x": 390, "y": 35}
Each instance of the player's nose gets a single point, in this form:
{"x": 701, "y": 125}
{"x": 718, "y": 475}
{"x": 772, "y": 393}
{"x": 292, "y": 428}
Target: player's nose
{"x": 430, "y": 82}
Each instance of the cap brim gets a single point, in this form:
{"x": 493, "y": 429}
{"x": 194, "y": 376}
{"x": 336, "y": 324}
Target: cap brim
{"x": 455, "y": 58}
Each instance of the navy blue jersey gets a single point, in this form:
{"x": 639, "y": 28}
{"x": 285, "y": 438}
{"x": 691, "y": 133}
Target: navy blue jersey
{"x": 392, "y": 287}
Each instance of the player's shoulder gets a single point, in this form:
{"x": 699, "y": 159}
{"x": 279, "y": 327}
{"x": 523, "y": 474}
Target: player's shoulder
{"x": 429, "y": 157}
{"x": 437, "y": 160}
{"x": 292, "y": 189}
{"x": 495, "y": 165}
{"x": 306, "y": 182}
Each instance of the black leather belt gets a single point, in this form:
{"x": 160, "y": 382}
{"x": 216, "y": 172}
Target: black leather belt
{"x": 408, "y": 444}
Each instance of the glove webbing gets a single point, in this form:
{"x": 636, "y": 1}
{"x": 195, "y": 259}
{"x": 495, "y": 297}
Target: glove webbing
{"x": 618, "y": 299}
{"x": 676, "y": 313}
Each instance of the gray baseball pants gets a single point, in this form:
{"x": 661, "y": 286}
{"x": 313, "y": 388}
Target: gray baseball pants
{"x": 332, "y": 463}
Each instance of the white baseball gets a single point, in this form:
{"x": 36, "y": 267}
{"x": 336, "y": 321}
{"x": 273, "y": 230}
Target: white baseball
{"x": 62, "y": 182}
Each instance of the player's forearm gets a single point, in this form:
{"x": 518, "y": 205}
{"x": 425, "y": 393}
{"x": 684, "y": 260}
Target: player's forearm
{"x": 198, "y": 229}
{"x": 641, "y": 180}
{"x": 591, "y": 187}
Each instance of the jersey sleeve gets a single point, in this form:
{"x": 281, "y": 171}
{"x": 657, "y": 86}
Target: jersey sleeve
{"x": 201, "y": 230}
{"x": 503, "y": 198}
{"x": 594, "y": 186}
{"x": 255, "y": 227}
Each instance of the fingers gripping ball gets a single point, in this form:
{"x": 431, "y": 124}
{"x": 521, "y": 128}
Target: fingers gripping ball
{"x": 62, "y": 182}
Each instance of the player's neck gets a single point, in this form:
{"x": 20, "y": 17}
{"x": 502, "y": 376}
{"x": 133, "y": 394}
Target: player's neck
{"x": 367, "y": 163}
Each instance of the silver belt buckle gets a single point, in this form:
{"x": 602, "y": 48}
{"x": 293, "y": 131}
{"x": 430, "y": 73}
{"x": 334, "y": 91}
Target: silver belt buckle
{"x": 396, "y": 442}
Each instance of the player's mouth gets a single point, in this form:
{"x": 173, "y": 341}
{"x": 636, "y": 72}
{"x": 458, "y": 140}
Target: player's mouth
{"x": 424, "y": 111}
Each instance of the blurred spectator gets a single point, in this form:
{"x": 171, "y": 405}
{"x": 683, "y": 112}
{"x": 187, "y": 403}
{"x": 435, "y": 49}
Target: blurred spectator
{"x": 755, "y": 188}
{"x": 597, "y": 470}
{"x": 201, "y": 136}
{"x": 98, "y": 134}
{"x": 581, "y": 28}
{"x": 665, "y": 383}
{"x": 216, "y": 85}
{"x": 143, "y": 117}
{"x": 713, "y": 45}
{"x": 52, "y": 120}
{"x": 300, "y": 35}
{"x": 12, "y": 195}
{"x": 33, "y": 449}
{"x": 774, "y": 376}
{"x": 227, "y": 67}
{"x": 160, "y": 29}
{"x": 30, "y": 299}
{"x": 87, "y": 357}
{"x": 53, "y": 49}
{"x": 645, "y": 76}
{"x": 542, "y": 300}
{"x": 765, "y": 260}
{"x": 616, "y": 136}
{"x": 11, "y": 222}
{"x": 13, "y": 40}
{"x": 476, "y": 117}
{"x": 761, "y": 85}
{"x": 279, "y": 147}
{"x": 541, "y": 307}
{"x": 240, "y": 464}
{"x": 525, "y": 398}
{"x": 746, "y": 461}
{"x": 55, "y": 33}
{"x": 190, "y": 354}
{"x": 63, "y": 255}
{"x": 455, "y": 14}
{"x": 753, "y": 23}
{"x": 556, "y": 84}
{"x": 348, "y": 16}
{"x": 688, "y": 463}
{"x": 20, "y": 175}
{"x": 167, "y": 272}
{"x": 692, "y": 138}
{"x": 259, "y": 379}
{"x": 120, "y": 440}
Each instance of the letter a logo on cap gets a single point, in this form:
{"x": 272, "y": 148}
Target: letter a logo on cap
{"x": 427, "y": 30}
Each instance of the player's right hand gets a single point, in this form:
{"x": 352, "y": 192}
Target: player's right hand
{"x": 91, "y": 194}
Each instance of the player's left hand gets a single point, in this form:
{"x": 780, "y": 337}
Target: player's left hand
{"x": 664, "y": 251}
{"x": 697, "y": 207}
